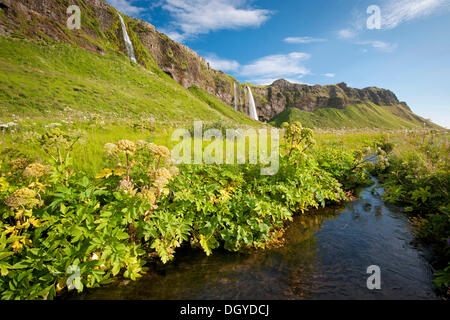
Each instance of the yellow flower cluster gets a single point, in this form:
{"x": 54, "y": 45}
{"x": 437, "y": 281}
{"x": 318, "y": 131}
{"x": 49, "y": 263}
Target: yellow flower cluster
{"x": 142, "y": 153}
{"x": 18, "y": 244}
{"x": 17, "y": 240}
{"x": 34, "y": 170}
{"x": 54, "y": 137}
{"x": 125, "y": 147}
{"x": 156, "y": 150}
{"x": 19, "y": 164}
{"x": 23, "y": 198}
{"x": 148, "y": 194}
{"x": 160, "y": 151}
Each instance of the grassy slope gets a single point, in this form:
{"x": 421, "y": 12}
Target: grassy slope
{"x": 357, "y": 116}
{"x": 44, "y": 79}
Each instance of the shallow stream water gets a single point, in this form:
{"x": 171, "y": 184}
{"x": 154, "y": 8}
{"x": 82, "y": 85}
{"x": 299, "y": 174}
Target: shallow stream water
{"x": 326, "y": 256}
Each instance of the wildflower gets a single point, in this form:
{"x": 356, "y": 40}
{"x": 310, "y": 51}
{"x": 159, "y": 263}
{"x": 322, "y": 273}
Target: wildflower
{"x": 174, "y": 171}
{"x": 105, "y": 173}
{"x": 22, "y": 226}
{"x": 142, "y": 145}
{"x": 126, "y": 147}
{"x": 163, "y": 173}
{"x": 159, "y": 150}
{"x": 23, "y": 198}
{"x": 19, "y": 164}
{"x": 8, "y": 125}
{"x": 148, "y": 195}
{"x": 34, "y": 170}
{"x": 11, "y": 229}
{"x": 94, "y": 257}
{"x": 160, "y": 182}
{"x": 34, "y": 222}
{"x": 37, "y": 186}
{"x": 53, "y": 125}
{"x": 16, "y": 246}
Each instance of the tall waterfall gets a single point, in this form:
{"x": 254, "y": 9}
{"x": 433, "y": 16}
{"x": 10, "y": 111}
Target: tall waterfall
{"x": 252, "y": 107}
{"x": 126, "y": 39}
{"x": 245, "y": 99}
{"x": 236, "y": 97}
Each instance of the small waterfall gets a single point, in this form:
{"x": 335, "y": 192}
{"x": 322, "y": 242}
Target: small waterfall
{"x": 252, "y": 107}
{"x": 126, "y": 39}
{"x": 236, "y": 97}
{"x": 245, "y": 99}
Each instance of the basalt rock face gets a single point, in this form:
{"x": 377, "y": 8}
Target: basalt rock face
{"x": 183, "y": 64}
{"x": 282, "y": 94}
{"x": 100, "y": 31}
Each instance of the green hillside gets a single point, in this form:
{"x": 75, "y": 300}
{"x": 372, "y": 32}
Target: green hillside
{"x": 356, "y": 116}
{"x": 49, "y": 79}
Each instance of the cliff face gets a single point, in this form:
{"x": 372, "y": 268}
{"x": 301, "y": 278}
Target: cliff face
{"x": 183, "y": 64}
{"x": 275, "y": 98}
{"x": 101, "y": 31}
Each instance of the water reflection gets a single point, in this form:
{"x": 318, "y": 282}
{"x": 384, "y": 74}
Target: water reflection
{"x": 326, "y": 256}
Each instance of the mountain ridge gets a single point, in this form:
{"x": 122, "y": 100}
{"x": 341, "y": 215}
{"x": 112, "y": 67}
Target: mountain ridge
{"x": 100, "y": 32}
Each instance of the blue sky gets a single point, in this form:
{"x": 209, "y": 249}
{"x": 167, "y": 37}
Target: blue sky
{"x": 318, "y": 42}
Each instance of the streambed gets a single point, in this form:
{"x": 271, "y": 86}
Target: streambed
{"x": 326, "y": 256}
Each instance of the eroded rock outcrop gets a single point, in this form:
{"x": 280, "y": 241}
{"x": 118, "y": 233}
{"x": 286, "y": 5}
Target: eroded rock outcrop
{"x": 282, "y": 94}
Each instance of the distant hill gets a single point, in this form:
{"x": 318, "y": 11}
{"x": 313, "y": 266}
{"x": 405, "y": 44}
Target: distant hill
{"x": 355, "y": 116}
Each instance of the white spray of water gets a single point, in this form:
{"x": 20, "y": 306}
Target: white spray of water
{"x": 126, "y": 39}
{"x": 252, "y": 107}
{"x": 236, "y": 97}
{"x": 245, "y": 98}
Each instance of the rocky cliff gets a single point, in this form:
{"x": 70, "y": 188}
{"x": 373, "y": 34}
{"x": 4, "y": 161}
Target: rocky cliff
{"x": 275, "y": 98}
{"x": 101, "y": 31}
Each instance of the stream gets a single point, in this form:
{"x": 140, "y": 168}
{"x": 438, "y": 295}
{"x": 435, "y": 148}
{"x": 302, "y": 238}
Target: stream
{"x": 325, "y": 256}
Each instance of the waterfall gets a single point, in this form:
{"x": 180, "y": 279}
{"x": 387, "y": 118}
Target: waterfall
{"x": 252, "y": 107}
{"x": 245, "y": 99}
{"x": 126, "y": 39}
{"x": 236, "y": 97}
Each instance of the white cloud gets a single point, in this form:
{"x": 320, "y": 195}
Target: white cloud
{"x": 269, "y": 81}
{"x": 223, "y": 64}
{"x": 193, "y": 17}
{"x": 393, "y": 13}
{"x": 396, "y": 12}
{"x": 329, "y": 75}
{"x": 125, "y": 6}
{"x": 276, "y": 66}
{"x": 380, "y": 45}
{"x": 265, "y": 70}
{"x": 303, "y": 40}
{"x": 346, "y": 34}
